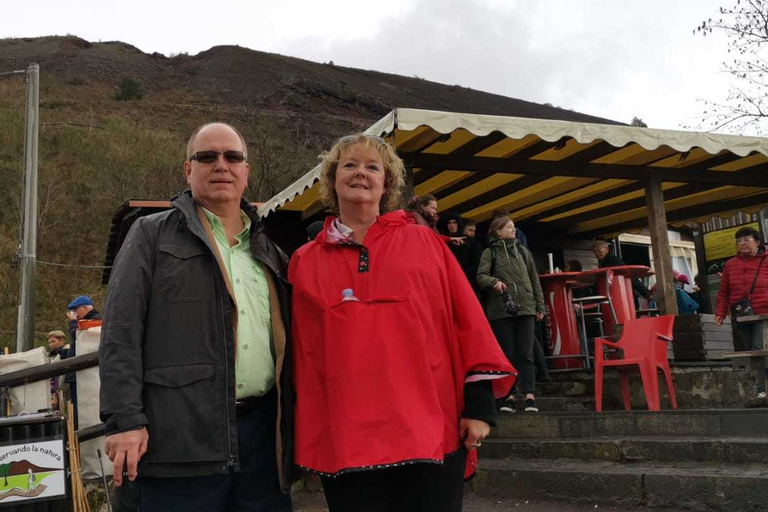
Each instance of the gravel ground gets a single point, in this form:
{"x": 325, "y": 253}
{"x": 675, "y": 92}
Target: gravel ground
{"x": 315, "y": 502}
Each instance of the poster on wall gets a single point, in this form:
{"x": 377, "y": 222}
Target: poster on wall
{"x": 32, "y": 471}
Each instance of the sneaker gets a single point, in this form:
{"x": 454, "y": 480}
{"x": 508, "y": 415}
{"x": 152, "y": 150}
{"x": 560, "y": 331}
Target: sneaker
{"x": 530, "y": 405}
{"x": 761, "y": 394}
{"x": 508, "y": 407}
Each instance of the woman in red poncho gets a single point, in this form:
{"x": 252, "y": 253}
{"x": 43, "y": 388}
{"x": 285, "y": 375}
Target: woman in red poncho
{"x": 396, "y": 367}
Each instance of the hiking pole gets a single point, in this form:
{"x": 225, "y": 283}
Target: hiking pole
{"x": 104, "y": 478}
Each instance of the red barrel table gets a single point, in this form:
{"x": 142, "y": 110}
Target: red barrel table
{"x": 560, "y": 322}
{"x": 616, "y": 283}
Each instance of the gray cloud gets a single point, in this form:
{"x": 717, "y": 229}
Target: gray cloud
{"x": 613, "y": 59}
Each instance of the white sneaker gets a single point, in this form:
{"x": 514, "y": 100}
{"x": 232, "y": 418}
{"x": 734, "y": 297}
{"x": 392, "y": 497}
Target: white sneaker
{"x": 505, "y": 409}
{"x": 761, "y": 394}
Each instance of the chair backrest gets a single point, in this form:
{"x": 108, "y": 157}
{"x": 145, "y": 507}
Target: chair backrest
{"x": 636, "y": 339}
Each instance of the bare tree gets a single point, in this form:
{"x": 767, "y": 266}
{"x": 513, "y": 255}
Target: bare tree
{"x": 746, "y": 104}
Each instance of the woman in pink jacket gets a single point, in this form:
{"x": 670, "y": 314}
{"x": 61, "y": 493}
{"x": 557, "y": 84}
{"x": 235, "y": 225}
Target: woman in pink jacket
{"x": 746, "y": 276}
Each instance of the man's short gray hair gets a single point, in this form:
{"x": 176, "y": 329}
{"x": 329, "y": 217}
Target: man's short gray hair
{"x": 199, "y": 128}
{"x": 600, "y": 243}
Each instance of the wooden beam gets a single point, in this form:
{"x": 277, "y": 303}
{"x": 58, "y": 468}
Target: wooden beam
{"x": 465, "y": 182}
{"x": 417, "y": 178}
{"x": 690, "y": 212}
{"x": 666, "y": 297}
{"x": 313, "y": 209}
{"x": 586, "y": 201}
{"x": 478, "y": 144}
{"x": 757, "y": 177}
{"x": 631, "y": 204}
{"x": 498, "y": 193}
{"x": 592, "y": 153}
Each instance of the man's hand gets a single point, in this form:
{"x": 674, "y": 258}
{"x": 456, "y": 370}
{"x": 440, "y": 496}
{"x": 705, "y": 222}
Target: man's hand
{"x": 124, "y": 450}
{"x": 500, "y": 287}
{"x": 458, "y": 240}
{"x": 71, "y": 315}
{"x": 719, "y": 320}
{"x": 539, "y": 316}
{"x": 472, "y": 432}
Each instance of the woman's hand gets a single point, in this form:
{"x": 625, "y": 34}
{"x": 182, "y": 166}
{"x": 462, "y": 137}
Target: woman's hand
{"x": 500, "y": 287}
{"x": 719, "y": 320}
{"x": 473, "y": 432}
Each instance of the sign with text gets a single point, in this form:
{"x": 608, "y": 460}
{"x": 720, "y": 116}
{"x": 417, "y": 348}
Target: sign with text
{"x": 721, "y": 244}
{"x": 32, "y": 471}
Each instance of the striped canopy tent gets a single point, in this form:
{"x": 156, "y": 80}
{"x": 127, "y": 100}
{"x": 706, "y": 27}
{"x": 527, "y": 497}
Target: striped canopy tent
{"x": 565, "y": 177}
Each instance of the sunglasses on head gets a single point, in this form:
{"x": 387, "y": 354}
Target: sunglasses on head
{"x": 208, "y": 157}
{"x": 352, "y": 138}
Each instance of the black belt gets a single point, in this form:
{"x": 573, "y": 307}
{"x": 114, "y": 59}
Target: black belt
{"x": 252, "y": 403}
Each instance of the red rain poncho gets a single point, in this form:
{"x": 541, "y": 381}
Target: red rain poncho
{"x": 380, "y": 381}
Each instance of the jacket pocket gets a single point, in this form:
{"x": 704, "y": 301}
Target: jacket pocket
{"x": 186, "y": 411}
{"x": 178, "y": 376}
{"x": 185, "y": 273}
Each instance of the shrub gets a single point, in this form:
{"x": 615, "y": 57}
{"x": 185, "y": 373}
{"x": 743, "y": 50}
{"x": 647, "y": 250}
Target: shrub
{"x": 128, "y": 90}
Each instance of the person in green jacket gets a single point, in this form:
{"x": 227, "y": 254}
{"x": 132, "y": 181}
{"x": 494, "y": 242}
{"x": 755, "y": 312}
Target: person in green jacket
{"x": 507, "y": 266}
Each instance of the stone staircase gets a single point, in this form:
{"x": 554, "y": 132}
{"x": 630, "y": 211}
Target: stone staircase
{"x": 693, "y": 459}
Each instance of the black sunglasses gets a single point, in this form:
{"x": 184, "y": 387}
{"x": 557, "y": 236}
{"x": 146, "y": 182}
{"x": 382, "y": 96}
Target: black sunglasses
{"x": 208, "y": 157}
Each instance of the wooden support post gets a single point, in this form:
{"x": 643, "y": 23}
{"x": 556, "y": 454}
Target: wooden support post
{"x": 408, "y": 190}
{"x": 7, "y": 351}
{"x": 706, "y": 305}
{"x": 662, "y": 257}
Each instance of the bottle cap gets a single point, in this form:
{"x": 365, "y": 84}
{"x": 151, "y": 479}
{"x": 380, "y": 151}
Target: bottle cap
{"x": 347, "y": 292}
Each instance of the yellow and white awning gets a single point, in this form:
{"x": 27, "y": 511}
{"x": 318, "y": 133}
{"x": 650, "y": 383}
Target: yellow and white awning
{"x": 570, "y": 177}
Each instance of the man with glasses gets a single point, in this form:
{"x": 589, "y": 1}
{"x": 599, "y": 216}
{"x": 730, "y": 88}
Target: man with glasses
{"x": 193, "y": 356}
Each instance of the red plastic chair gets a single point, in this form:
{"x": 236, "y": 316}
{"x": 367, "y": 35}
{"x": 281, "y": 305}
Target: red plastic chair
{"x": 644, "y": 344}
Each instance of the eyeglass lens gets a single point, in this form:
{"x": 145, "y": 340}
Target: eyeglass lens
{"x": 207, "y": 157}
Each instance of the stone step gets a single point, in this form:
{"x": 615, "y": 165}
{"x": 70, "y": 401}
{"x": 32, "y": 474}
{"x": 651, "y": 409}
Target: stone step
{"x": 736, "y": 450}
{"x": 564, "y": 404}
{"x": 696, "y": 387}
{"x": 691, "y": 422}
{"x": 694, "y": 485}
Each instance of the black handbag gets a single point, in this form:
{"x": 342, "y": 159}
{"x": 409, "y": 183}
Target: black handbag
{"x": 743, "y": 306}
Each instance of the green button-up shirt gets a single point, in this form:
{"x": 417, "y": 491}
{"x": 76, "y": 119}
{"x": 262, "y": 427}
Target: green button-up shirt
{"x": 255, "y": 367}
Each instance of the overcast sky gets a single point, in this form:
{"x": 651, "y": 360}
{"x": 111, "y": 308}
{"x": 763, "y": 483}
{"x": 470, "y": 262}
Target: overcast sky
{"x": 611, "y": 58}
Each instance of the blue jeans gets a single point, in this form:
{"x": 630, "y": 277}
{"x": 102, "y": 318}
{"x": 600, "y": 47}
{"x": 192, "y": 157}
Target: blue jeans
{"x": 751, "y": 335}
{"x": 254, "y": 488}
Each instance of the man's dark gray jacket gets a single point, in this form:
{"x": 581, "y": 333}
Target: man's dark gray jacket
{"x": 167, "y": 353}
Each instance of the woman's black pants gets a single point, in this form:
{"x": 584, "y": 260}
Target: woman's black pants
{"x": 420, "y": 487}
{"x": 515, "y": 336}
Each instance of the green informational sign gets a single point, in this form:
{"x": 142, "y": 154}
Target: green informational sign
{"x": 721, "y": 244}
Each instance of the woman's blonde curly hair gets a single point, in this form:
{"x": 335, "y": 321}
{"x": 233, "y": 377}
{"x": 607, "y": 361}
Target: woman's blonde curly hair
{"x": 394, "y": 170}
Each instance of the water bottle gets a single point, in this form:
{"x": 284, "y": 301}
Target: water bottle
{"x": 347, "y": 295}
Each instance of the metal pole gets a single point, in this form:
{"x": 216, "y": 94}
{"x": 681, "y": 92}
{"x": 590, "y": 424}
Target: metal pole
{"x": 25, "y": 330}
